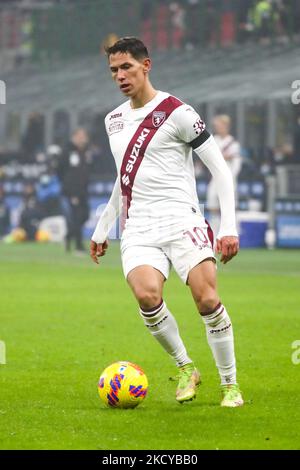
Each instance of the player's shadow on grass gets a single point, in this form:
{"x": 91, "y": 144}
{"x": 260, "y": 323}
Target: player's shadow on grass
{"x": 196, "y": 404}
{"x": 138, "y": 409}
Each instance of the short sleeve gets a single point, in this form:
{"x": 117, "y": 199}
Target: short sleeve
{"x": 190, "y": 127}
{"x": 106, "y": 123}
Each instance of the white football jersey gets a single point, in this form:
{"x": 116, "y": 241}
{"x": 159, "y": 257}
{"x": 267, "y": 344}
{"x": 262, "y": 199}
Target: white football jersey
{"x": 231, "y": 151}
{"x": 152, "y": 147}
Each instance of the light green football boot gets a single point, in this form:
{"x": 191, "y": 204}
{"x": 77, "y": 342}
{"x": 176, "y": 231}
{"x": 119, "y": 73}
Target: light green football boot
{"x": 231, "y": 396}
{"x": 188, "y": 380}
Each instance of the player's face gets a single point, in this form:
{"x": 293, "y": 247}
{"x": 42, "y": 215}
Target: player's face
{"x": 220, "y": 127}
{"x": 80, "y": 139}
{"x": 128, "y": 72}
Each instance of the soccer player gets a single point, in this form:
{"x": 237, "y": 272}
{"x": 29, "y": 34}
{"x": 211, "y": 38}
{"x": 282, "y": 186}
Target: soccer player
{"x": 231, "y": 151}
{"x": 152, "y": 136}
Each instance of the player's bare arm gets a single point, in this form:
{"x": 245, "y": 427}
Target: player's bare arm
{"x": 97, "y": 250}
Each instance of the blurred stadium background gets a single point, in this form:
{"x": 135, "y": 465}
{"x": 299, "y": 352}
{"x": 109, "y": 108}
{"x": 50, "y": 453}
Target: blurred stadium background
{"x": 234, "y": 57}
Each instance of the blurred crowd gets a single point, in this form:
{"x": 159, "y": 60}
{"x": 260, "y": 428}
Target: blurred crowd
{"x": 28, "y": 30}
{"x": 198, "y": 23}
{"x": 58, "y": 178}
{"x": 60, "y": 189}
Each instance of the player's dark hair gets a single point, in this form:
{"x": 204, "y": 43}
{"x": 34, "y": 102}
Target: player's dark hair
{"x": 133, "y": 45}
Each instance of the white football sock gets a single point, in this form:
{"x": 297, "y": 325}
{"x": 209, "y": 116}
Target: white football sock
{"x": 220, "y": 339}
{"x": 163, "y": 327}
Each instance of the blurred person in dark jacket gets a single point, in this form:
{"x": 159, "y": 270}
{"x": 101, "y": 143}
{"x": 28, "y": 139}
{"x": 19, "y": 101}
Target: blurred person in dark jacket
{"x": 48, "y": 193}
{"x": 33, "y": 139}
{"x": 73, "y": 171}
{"x": 30, "y": 215}
{"x": 4, "y": 215}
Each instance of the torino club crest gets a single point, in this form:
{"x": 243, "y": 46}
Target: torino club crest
{"x": 158, "y": 118}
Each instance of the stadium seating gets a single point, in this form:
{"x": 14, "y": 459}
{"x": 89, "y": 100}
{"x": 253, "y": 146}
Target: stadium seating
{"x": 222, "y": 74}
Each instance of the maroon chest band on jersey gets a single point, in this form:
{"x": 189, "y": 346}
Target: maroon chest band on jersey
{"x": 136, "y": 149}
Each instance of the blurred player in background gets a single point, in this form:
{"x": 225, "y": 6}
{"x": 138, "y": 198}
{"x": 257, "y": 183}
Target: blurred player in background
{"x": 231, "y": 152}
{"x": 4, "y": 215}
{"x": 73, "y": 172}
{"x": 152, "y": 136}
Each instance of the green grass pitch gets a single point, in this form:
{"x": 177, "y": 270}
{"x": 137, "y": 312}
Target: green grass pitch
{"x": 63, "y": 320}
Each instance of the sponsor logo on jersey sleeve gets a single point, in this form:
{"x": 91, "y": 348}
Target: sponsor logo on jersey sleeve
{"x": 158, "y": 117}
{"x": 116, "y": 126}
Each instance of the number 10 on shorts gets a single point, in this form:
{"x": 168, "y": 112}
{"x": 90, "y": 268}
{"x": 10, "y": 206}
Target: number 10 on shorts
{"x": 198, "y": 237}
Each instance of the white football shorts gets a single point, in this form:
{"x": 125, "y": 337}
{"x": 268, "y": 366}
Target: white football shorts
{"x": 182, "y": 245}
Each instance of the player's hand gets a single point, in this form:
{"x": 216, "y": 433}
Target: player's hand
{"x": 228, "y": 247}
{"x": 97, "y": 250}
